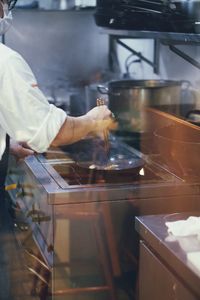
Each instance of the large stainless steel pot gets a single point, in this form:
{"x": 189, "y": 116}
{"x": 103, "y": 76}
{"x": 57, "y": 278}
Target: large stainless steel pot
{"x": 188, "y": 9}
{"x": 128, "y": 98}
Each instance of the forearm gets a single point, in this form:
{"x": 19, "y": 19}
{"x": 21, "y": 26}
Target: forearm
{"x": 73, "y": 129}
{"x": 96, "y": 121}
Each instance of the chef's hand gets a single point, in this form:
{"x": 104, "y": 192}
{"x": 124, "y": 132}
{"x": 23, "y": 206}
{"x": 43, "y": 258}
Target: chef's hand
{"x": 103, "y": 119}
{"x": 20, "y": 149}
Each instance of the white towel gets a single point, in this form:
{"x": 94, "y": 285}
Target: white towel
{"x": 190, "y": 226}
{"x": 194, "y": 259}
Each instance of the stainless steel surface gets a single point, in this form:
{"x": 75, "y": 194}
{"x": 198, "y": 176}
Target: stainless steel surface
{"x": 180, "y": 150}
{"x": 55, "y": 184}
{"x": 153, "y": 231}
{"x": 66, "y": 212}
{"x": 177, "y": 142}
{"x": 163, "y": 36}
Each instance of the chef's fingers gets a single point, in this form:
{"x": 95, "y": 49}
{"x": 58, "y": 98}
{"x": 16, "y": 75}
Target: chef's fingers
{"x": 24, "y": 145}
{"x": 19, "y": 151}
{"x": 99, "y": 113}
{"x": 102, "y": 125}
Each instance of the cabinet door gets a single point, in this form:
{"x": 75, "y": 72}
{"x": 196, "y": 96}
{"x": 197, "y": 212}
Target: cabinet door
{"x": 157, "y": 282}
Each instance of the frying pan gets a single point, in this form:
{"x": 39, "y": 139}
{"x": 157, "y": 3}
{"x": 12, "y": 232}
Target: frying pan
{"x": 118, "y": 164}
{"x": 115, "y": 170}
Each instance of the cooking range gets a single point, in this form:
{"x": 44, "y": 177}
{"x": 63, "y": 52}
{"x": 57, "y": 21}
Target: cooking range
{"x": 80, "y": 212}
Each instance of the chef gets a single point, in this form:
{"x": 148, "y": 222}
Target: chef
{"x": 25, "y": 114}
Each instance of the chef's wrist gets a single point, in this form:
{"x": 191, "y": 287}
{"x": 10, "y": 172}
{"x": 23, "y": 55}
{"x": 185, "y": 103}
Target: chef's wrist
{"x": 71, "y": 129}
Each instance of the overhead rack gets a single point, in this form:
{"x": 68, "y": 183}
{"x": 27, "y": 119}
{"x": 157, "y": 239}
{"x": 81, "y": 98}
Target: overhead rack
{"x": 170, "y": 39}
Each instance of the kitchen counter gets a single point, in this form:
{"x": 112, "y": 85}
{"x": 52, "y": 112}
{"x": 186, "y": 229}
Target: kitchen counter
{"x": 165, "y": 259}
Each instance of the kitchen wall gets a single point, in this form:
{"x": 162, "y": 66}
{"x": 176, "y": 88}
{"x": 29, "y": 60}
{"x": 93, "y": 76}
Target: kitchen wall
{"x": 68, "y": 44}
{"x": 171, "y": 65}
{"x": 59, "y": 44}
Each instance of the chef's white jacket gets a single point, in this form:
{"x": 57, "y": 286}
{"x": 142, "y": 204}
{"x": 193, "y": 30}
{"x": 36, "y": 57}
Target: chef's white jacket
{"x": 25, "y": 113}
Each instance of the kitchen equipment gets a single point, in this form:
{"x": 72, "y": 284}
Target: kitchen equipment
{"x": 129, "y": 98}
{"x": 66, "y": 212}
{"x": 95, "y": 162}
{"x": 162, "y": 259}
{"x": 190, "y": 9}
{"x": 171, "y": 16}
{"x": 112, "y": 172}
{"x": 128, "y": 17}
{"x": 30, "y": 4}
{"x": 179, "y": 146}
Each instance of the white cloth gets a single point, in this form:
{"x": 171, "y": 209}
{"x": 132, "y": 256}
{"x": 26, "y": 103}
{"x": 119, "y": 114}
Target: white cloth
{"x": 194, "y": 259}
{"x": 190, "y": 226}
{"x": 25, "y": 113}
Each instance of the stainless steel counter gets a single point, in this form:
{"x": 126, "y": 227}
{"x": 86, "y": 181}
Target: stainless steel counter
{"x": 170, "y": 251}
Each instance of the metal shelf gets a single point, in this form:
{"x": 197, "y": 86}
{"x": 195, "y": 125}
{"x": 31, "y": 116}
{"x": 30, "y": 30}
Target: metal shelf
{"x": 166, "y": 38}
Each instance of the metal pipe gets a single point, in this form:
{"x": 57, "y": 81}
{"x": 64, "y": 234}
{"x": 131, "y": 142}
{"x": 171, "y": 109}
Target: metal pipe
{"x": 185, "y": 56}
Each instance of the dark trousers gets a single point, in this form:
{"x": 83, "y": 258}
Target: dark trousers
{"x": 3, "y": 169}
{"x": 6, "y": 239}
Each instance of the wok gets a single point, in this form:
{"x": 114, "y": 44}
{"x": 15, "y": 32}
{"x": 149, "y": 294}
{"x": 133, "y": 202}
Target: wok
{"x": 180, "y": 149}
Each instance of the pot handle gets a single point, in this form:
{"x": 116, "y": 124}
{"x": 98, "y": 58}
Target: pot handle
{"x": 105, "y": 91}
{"x": 190, "y": 95}
{"x": 193, "y": 112}
{"x": 102, "y": 89}
{"x": 185, "y": 84}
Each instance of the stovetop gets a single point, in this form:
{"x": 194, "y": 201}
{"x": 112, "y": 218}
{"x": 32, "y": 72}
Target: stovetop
{"x": 64, "y": 179}
{"x": 82, "y": 165}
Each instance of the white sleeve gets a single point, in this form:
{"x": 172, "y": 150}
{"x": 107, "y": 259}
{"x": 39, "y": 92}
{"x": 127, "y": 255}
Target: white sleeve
{"x": 25, "y": 113}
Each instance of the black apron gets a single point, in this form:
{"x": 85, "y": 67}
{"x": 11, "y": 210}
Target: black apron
{"x": 3, "y": 169}
{"x": 6, "y": 235}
